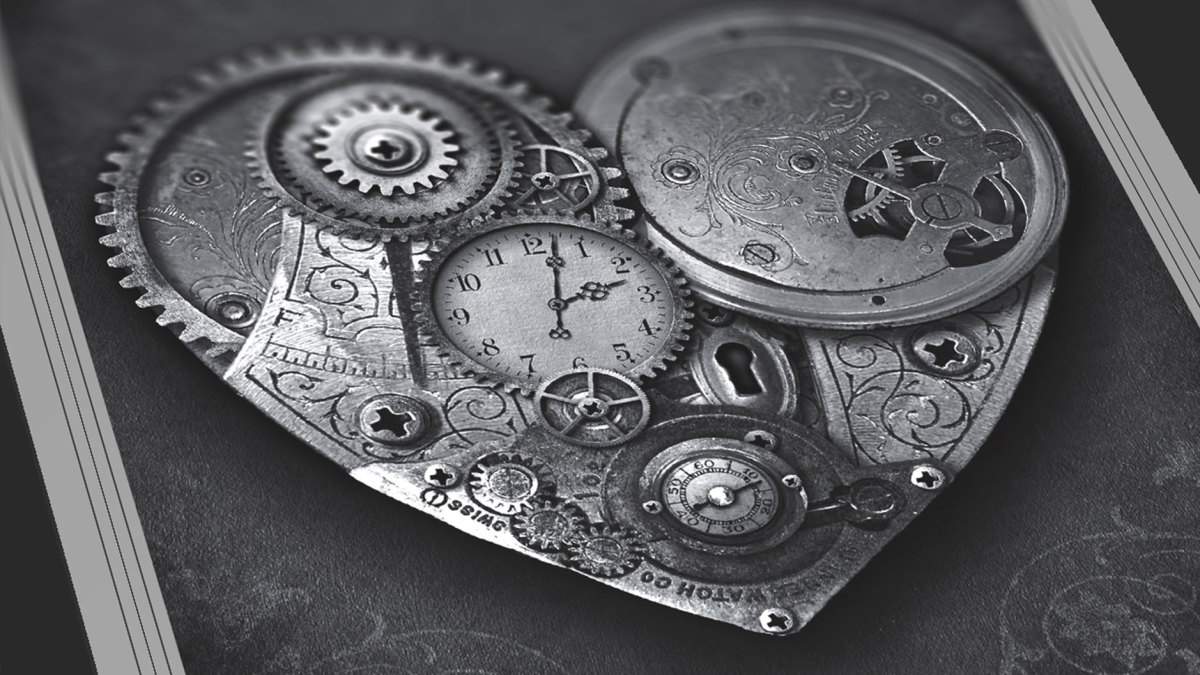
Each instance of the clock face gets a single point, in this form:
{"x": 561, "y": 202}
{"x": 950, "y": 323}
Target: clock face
{"x": 720, "y": 496}
{"x": 527, "y": 301}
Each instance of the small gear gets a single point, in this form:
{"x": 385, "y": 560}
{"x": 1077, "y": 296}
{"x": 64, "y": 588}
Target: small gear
{"x": 504, "y": 483}
{"x": 556, "y": 179}
{"x": 606, "y": 551}
{"x": 592, "y": 407}
{"x": 386, "y": 145}
{"x": 549, "y": 524}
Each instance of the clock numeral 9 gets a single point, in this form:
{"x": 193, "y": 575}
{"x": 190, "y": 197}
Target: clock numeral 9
{"x": 460, "y": 316}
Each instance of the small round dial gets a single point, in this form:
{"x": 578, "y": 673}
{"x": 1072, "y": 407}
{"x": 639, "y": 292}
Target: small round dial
{"x": 719, "y": 496}
{"x": 527, "y": 300}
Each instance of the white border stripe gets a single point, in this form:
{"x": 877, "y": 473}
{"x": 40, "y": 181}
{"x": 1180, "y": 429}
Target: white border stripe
{"x": 1149, "y": 168}
{"x": 118, "y": 595}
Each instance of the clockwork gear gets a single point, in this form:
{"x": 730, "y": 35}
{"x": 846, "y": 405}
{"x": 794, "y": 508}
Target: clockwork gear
{"x": 387, "y": 146}
{"x": 505, "y": 483}
{"x": 526, "y": 296}
{"x": 592, "y": 407}
{"x": 549, "y": 524}
{"x": 606, "y": 551}
{"x": 384, "y": 156}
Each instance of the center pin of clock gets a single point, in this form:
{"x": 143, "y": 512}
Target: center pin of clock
{"x": 721, "y": 495}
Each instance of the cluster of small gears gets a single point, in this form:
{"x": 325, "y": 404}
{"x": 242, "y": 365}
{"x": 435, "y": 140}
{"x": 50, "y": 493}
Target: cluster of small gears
{"x": 505, "y": 483}
{"x": 592, "y": 407}
{"x": 386, "y": 146}
{"x": 556, "y": 526}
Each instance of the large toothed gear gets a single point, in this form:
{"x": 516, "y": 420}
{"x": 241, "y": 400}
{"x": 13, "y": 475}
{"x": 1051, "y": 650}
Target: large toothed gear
{"x": 549, "y": 525}
{"x": 387, "y": 157}
{"x": 197, "y": 190}
{"x": 386, "y": 146}
{"x": 606, "y": 551}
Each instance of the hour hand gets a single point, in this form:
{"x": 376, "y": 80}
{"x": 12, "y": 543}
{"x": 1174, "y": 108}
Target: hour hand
{"x": 594, "y": 290}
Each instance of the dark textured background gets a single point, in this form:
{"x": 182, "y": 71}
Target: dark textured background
{"x": 271, "y": 559}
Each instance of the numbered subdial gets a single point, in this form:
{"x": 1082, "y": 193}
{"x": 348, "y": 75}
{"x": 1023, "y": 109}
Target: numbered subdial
{"x": 720, "y": 497}
{"x": 522, "y": 301}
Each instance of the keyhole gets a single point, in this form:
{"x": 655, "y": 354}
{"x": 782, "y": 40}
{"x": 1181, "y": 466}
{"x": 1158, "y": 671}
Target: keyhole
{"x": 735, "y": 360}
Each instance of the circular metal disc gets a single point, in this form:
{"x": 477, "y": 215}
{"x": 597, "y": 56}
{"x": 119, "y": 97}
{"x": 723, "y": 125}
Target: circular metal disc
{"x": 828, "y": 169}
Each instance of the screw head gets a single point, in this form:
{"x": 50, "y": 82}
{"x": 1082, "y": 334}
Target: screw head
{"x": 927, "y": 477}
{"x": 777, "y": 620}
{"x": 873, "y": 499}
{"x": 393, "y": 419}
{"x": 652, "y": 506}
{"x": 680, "y": 171}
{"x": 233, "y": 310}
{"x": 388, "y": 150}
{"x": 758, "y": 254}
{"x": 792, "y": 482}
{"x": 763, "y": 440}
{"x": 441, "y": 475}
{"x": 946, "y": 351}
{"x": 803, "y": 162}
{"x": 714, "y": 315}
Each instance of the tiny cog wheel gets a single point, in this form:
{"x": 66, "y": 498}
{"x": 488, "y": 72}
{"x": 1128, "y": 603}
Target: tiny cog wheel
{"x": 606, "y": 551}
{"x": 471, "y": 287}
{"x": 592, "y": 407}
{"x": 556, "y": 179}
{"x": 505, "y": 483}
{"x": 549, "y": 525}
{"x": 386, "y": 146}
{"x": 391, "y": 158}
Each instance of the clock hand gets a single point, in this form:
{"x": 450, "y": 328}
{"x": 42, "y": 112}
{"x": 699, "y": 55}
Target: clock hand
{"x": 706, "y": 502}
{"x": 594, "y": 290}
{"x": 555, "y": 262}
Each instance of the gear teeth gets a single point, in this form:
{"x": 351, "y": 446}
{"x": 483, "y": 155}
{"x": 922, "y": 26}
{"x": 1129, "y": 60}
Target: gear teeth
{"x": 148, "y": 127}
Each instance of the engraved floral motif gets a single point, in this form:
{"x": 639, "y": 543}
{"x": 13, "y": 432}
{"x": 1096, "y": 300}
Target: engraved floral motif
{"x": 217, "y": 217}
{"x": 896, "y": 410}
{"x": 758, "y": 144}
{"x": 1117, "y": 603}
